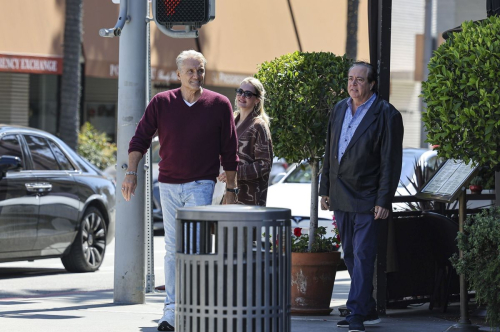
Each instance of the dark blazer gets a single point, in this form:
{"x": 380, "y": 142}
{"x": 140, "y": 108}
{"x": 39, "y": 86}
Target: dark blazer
{"x": 369, "y": 171}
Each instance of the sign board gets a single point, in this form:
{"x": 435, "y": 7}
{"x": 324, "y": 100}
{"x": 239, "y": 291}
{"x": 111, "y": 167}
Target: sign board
{"x": 30, "y": 64}
{"x": 446, "y": 185}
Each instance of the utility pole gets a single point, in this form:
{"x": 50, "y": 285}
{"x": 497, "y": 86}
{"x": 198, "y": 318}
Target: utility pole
{"x": 129, "y": 279}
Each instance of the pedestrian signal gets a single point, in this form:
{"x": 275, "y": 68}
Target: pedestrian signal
{"x": 193, "y": 13}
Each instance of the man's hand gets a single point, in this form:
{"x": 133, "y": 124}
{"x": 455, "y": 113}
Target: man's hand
{"x": 128, "y": 186}
{"x": 325, "y": 203}
{"x": 222, "y": 177}
{"x": 130, "y": 182}
{"x": 381, "y": 213}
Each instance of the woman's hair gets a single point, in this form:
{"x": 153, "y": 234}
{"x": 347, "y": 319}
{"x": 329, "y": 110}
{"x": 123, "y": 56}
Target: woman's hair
{"x": 191, "y": 54}
{"x": 261, "y": 95}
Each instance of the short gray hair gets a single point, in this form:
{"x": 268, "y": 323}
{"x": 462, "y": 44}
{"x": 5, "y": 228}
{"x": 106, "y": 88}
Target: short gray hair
{"x": 190, "y": 54}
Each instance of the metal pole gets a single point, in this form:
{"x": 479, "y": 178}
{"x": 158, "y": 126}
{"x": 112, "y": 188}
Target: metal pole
{"x": 129, "y": 262}
{"x": 150, "y": 266}
{"x": 464, "y": 323}
{"x": 384, "y": 48}
{"x": 428, "y": 49}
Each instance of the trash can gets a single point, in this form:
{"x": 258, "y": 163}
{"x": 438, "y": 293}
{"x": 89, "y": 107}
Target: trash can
{"x": 233, "y": 267}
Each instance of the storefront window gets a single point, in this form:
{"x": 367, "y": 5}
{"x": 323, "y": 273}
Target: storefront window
{"x": 43, "y": 104}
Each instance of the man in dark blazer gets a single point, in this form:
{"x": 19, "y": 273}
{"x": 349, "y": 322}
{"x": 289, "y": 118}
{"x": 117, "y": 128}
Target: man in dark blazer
{"x": 360, "y": 175}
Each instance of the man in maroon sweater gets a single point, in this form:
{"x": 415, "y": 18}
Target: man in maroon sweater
{"x": 196, "y": 133}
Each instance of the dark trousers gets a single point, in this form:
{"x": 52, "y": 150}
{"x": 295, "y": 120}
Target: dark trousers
{"x": 358, "y": 234}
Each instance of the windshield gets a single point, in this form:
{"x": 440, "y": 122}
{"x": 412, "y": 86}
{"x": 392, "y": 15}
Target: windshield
{"x": 301, "y": 174}
{"x": 155, "y": 152}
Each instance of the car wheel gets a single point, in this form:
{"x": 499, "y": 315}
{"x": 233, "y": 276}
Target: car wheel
{"x": 87, "y": 251}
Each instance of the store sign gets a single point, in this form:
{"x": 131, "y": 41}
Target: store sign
{"x": 30, "y": 64}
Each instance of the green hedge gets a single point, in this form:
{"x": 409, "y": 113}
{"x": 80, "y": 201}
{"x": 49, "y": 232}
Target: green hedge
{"x": 463, "y": 94}
{"x": 480, "y": 244}
{"x": 94, "y": 146}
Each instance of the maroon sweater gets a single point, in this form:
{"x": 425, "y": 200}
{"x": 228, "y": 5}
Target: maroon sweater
{"x": 191, "y": 138}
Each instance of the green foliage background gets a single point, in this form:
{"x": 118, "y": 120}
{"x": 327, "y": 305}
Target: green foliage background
{"x": 463, "y": 94}
{"x": 94, "y": 146}
{"x": 480, "y": 264}
{"x": 301, "y": 88}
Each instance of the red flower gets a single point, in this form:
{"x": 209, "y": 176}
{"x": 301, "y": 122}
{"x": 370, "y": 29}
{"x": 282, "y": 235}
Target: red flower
{"x": 297, "y": 231}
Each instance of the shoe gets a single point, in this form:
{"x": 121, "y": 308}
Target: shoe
{"x": 371, "y": 319}
{"x": 356, "y": 324}
{"x": 167, "y": 322}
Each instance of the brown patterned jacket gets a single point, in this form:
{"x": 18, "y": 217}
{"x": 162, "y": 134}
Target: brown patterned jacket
{"x": 255, "y": 150}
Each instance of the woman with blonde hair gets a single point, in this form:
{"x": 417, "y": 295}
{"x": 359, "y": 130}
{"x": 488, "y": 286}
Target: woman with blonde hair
{"x": 255, "y": 148}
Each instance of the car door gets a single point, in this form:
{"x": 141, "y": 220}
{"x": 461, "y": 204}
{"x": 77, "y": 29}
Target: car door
{"x": 59, "y": 203}
{"x": 19, "y": 203}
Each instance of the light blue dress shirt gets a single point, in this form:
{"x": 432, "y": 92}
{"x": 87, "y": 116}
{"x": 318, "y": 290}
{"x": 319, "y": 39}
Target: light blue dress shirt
{"x": 352, "y": 122}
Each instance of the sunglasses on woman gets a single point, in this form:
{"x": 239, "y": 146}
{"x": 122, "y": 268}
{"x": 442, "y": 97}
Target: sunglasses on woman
{"x": 247, "y": 94}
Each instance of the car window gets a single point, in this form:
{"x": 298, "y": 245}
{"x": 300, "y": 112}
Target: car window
{"x": 9, "y": 146}
{"x": 301, "y": 174}
{"x": 64, "y": 162}
{"x": 43, "y": 158}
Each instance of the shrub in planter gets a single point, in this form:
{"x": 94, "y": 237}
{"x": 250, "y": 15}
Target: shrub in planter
{"x": 463, "y": 95}
{"x": 301, "y": 89}
{"x": 480, "y": 244}
{"x": 94, "y": 146}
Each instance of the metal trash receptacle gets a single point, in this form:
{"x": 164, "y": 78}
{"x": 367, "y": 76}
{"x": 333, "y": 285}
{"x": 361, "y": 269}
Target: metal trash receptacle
{"x": 233, "y": 266}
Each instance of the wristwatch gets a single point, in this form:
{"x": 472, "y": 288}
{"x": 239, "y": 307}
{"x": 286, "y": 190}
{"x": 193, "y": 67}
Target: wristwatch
{"x": 233, "y": 190}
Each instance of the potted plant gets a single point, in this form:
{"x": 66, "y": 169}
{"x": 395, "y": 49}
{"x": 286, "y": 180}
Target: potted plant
{"x": 480, "y": 260}
{"x": 313, "y": 271}
{"x": 301, "y": 89}
{"x": 476, "y": 185}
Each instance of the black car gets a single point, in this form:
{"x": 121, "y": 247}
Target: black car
{"x": 53, "y": 202}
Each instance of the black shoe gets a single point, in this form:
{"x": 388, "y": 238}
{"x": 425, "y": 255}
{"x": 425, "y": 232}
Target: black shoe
{"x": 371, "y": 319}
{"x": 165, "y": 326}
{"x": 356, "y": 324}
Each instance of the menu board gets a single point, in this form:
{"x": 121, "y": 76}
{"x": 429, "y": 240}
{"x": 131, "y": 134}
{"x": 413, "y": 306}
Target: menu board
{"x": 448, "y": 181}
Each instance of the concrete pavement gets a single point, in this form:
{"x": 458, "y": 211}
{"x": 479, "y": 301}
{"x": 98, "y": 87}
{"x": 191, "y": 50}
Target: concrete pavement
{"x": 95, "y": 311}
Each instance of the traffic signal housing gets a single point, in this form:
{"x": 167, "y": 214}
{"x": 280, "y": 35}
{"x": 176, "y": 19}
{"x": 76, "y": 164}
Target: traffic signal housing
{"x": 192, "y": 13}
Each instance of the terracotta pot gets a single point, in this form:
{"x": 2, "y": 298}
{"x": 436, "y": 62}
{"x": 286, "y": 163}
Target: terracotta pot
{"x": 313, "y": 275}
{"x": 475, "y": 189}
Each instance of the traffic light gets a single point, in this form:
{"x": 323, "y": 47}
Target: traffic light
{"x": 192, "y": 13}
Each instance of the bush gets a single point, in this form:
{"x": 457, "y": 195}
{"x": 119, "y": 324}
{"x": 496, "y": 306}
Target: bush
{"x": 480, "y": 244}
{"x": 463, "y": 95}
{"x": 94, "y": 146}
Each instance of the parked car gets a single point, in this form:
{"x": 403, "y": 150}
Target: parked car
{"x": 293, "y": 189}
{"x": 53, "y": 202}
{"x": 279, "y": 166}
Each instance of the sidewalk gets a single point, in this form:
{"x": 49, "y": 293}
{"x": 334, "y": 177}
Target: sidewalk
{"x": 96, "y": 312}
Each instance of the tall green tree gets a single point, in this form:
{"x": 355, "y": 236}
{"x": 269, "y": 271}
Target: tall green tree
{"x": 69, "y": 120}
{"x": 351, "y": 43}
{"x": 301, "y": 89}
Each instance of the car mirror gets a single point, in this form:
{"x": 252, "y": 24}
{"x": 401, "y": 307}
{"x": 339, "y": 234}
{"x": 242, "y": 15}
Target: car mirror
{"x": 277, "y": 178}
{"x": 10, "y": 163}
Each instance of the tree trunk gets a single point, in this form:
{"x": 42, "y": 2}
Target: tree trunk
{"x": 351, "y": 43}
{"x": 70, "y": 86}
{"x": 314, "y": 201}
